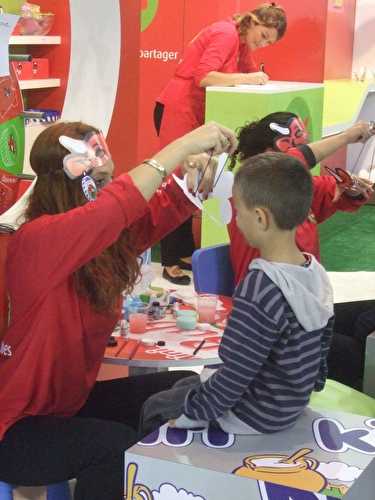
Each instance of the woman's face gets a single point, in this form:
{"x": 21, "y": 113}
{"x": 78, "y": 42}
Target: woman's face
{"x": 259, "y": 36}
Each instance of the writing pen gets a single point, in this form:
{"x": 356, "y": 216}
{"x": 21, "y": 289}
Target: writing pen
{"x": 199, "y": 347}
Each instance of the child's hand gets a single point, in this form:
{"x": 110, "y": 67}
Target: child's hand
{"x": 172, "y": 423}
{"x": 361, "y": 186}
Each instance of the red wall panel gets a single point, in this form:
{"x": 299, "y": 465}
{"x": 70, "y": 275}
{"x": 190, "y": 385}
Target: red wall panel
{"x": 123, "y": 132}
{"x": 163, "y": 37}
{"x": 339, "y": 39}
{"x": 58, "y": 55}
{"x": 299, "y": 56}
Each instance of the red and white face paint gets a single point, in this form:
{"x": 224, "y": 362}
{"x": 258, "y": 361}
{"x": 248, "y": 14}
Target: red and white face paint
{"x": 290, "y": 135}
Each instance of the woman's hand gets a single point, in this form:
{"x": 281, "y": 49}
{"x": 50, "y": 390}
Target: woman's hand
{"x": 201, "y": 170}
{"x": 209, "y": 138}
{"x": 257, "y": 78}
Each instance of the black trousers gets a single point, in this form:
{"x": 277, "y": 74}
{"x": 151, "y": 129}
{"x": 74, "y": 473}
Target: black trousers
{"x": 89, "y": 446}
{"x": 180, "y": 242}
{"x": 354, "y": 321}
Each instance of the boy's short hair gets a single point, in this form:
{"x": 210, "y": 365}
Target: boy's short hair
{"x": 279, "y": 183}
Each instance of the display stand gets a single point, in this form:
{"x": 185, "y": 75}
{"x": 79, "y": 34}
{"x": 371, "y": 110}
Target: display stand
{"x": 322, "y": 457}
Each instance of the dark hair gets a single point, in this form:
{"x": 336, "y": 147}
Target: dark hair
{"x": 103, "y": 278}
{"x": 269, "y": 15}
{"x": 279, "y": 183}
{"x": 257, "y": 136}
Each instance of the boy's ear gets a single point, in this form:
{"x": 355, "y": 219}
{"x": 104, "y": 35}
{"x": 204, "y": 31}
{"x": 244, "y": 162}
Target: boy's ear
{"x": 262, "y": 218}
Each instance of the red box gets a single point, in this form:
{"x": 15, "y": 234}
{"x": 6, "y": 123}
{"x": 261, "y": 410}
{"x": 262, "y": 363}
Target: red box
{"x": 23, "y": 69}
{"x": 40, "y": 68}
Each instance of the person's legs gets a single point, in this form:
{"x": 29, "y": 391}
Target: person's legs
{"x": 348, "y": 313}
{"x": 121, "y": 400}
{"x": 176, "y": 245}
{"x": 353, "y": 322}
{"x": 90, "y": 446}
{"x": 43, "y": 450}
{"x": 170, "y": 123}
{"x": 345, "y": 361}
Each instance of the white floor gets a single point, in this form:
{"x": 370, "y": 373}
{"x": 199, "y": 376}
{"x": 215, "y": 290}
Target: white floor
{"x": 347, "y": 287}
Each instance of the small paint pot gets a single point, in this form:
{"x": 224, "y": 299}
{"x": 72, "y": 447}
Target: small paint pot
{"x": 186, "y": 321}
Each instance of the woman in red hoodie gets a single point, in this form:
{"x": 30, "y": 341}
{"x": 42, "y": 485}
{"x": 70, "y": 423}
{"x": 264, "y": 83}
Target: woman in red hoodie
{"x": 221, "y": 54}
{"x": 67, "y": 266}
{"x": 285, "y": 132}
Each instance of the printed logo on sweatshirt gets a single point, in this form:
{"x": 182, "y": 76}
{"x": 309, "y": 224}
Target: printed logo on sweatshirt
{"x": 5, "y": 350}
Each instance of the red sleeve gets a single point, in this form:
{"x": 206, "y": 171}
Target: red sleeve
{"x": 324, "y": 191}
{"x": 220, "y": 46}
{"x": 61, "y": 244}
{"x": 168, "y": 209}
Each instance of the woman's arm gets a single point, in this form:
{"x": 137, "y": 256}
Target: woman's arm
{"x": 75, "y": 237}
{"x": 229, "y": 79}
{"x": 210, "y": 137}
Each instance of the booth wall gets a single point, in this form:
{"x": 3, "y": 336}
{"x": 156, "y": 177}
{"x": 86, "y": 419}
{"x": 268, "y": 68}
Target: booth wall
{"x": 364, "y": 47}
{"x": 339, "y": 39}
{"x": 299, "y": 56}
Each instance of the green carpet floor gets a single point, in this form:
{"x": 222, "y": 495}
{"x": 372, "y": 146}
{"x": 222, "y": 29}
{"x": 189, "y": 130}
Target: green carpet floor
{"x": 348, "y": 241}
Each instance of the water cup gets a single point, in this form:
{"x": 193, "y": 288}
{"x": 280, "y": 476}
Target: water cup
{"x": 137, "y": 322}
{"x": 207, "y": 304}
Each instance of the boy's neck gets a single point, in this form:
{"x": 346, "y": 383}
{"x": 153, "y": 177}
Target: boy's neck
{"x": 281, "y": 247}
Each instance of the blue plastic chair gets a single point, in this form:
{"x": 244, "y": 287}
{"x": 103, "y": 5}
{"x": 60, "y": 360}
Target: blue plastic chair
{"x": 58, "y": 491}
{"x": 212, "y": 270}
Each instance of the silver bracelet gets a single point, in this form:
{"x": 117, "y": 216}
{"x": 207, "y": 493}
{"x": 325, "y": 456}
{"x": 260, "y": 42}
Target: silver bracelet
{"x": 155, "y": 164}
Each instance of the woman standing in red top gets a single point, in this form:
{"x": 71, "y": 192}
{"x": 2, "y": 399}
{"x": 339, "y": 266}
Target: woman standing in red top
{"x": 67, "y": 266}
{"x": 221, "y": 54}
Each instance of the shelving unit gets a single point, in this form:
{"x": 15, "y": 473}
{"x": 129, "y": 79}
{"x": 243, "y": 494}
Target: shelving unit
{"x": 35, "y": 40}
{"x": 39, "y": 84}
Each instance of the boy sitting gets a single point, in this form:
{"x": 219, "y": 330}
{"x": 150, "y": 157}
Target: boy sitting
{"x": 276, "y": 342}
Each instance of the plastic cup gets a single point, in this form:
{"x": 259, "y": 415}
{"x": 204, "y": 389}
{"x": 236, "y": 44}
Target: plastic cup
{"x": 137, "y": 322}
{"x": 207, "y": 304}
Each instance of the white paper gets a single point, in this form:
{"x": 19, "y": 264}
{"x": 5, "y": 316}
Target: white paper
{"x": 222, "y": 190}
{"x": 7, "y": 24}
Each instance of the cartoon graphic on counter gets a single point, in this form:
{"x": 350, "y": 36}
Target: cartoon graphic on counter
{"x": 300, "y": 471}
{"x": 135, "y": 491}
{"x": 297, "y": 470}
{"x": 166, "y": 491}
{"x": 331, "y": 457}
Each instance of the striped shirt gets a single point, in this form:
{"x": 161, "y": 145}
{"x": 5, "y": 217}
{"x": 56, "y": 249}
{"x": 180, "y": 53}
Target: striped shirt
{"x": 270, "y": 363}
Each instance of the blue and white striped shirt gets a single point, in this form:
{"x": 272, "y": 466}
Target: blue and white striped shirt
{"x": 270, "y": 363}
